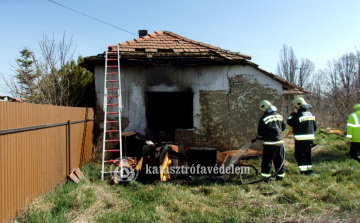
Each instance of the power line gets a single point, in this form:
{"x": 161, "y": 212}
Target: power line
{"x": 92, "y": 17}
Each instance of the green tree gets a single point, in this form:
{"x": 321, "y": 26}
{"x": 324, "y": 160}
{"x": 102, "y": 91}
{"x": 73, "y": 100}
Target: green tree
{"x": 25, "y": 74}
{"x": 53, "y": 78}
{"x": 82, "y": 86}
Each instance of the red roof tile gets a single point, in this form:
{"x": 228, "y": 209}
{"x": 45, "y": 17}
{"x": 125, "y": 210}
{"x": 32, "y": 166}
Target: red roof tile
{"x": 164, "y": 44}
{"x": 165, "y": 40}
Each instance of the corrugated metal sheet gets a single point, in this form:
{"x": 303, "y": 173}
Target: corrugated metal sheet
{"x": 33, "y": 162}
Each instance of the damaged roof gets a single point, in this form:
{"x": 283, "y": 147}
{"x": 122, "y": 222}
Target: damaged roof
{"x": 165, "y": 43}
{"x": 168, "y": 48}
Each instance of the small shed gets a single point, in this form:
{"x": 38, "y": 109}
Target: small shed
{"x": 178, "y": 89}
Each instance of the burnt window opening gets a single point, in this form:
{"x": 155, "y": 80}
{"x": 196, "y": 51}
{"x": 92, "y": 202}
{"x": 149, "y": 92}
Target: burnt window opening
{"x": 169, "y": 110}
{"x": 165, "y": 50}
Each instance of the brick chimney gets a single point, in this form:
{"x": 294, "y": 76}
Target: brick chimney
{"x": 142, "y": 33}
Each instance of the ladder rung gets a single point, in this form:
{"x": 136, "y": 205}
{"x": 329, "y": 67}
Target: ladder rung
{"x": 112, "y": 172}
{"x": 111, "y": 161}
{"x": 115, "y": 57}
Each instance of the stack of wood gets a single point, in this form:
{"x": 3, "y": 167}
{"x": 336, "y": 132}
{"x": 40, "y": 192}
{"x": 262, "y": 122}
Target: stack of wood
{"x": 76, "y": 175}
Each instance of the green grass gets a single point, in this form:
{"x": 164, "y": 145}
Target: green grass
{"x": 331, "y": 194}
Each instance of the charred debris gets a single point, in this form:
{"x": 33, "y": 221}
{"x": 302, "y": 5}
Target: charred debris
{"x": 165, "y": 161}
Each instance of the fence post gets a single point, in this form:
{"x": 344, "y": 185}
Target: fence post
{"x": 69, "y": 127}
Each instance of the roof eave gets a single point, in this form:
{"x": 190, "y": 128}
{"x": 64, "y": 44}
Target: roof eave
{"x": 287, "y": 84}
{"x": 90, "y": 62}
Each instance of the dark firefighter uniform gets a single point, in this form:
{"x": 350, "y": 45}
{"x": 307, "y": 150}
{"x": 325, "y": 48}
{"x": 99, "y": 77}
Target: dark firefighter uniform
{"x": 304, "y": 127}
{"x": 270, "y": 130}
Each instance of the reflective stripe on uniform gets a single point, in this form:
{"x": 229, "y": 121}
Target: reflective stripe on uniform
{"x": 307, "y": 118}
{"x": 289, "y": 117}
{"x": 309, "y": 167}
{"x": 265, "y": 175}
{"x": 353, "y": 128}
{"x": 355, "y": 118}
{"x": 303, "y": 168}
{"x": 274, "y": 142}
{"x": 273, "y": 118}
{"x": 304, "y": 137}
{"x": 281, "y": 175}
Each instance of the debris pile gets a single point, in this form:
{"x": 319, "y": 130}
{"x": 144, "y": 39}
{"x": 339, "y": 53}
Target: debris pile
{"x": 162, "y": 161}
{"x": 332, "y": 131}
{"x": 76, "y": 175}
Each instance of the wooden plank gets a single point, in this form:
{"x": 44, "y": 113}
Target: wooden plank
{"x": 74, "y": 178}
{"x": 80, "y": 175}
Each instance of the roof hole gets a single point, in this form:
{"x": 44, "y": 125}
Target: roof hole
{"x": 176, "y": 41}
{"x": 165, "y": 50}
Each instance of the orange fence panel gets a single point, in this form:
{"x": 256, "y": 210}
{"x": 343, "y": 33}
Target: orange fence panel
{"x": 34, "y": 158}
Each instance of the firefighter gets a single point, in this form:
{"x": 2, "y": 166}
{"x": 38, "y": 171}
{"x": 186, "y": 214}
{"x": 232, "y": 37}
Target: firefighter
{"x": 353, "y": 133}
{"x": 304, "y": 127}
{"x": 270, "y": 129}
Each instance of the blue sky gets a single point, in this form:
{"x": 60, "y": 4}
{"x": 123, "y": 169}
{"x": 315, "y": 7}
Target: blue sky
{"x": 318, "y": 30}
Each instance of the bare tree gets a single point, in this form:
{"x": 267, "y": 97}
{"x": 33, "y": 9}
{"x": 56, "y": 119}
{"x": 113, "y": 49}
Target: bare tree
{"x": 288, "y": 63}
{"x": 321, "y": 104}
{"x": 335, "y": 89}
{"x": 290, "y": 69}
{"x": 54, "y": 84}
{"x": 306, "y": 69}
{"x": 46, "y": 79}
{"x": 343, "y": 75}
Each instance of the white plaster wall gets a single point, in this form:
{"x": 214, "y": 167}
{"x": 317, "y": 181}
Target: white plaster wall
{"x": 135, "y": 81}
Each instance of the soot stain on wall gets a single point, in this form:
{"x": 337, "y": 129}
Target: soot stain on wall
{"x": 230, "y": 119}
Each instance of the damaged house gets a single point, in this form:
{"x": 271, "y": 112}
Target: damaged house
{"x": 177, "y": 89}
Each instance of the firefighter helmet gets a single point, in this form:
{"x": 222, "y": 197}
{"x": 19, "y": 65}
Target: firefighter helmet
{"x": 299, "y": 103}
{"x": 356, "y": 107}
{"x": 264, "y": 105}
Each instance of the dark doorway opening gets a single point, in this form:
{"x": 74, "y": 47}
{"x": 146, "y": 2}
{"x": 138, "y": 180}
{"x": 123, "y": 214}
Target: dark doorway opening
{"x": 168, "y": 111}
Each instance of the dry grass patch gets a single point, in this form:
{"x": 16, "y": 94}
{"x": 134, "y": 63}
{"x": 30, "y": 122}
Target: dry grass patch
{"x": 103, "y": 203}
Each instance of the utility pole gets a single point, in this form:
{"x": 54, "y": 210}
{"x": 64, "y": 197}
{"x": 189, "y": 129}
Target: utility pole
{"x": 300, "y": 79}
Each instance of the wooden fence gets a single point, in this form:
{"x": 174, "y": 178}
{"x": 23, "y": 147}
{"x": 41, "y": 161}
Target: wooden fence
{"x": 34, "y": 150}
